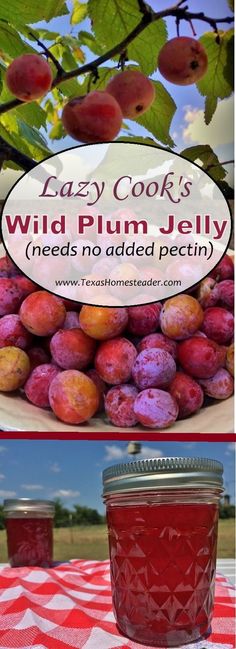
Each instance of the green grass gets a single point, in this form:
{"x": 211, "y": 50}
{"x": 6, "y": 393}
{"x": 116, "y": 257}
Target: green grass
{"x": 90, "y": 542}
{"x": 226, "y": 539}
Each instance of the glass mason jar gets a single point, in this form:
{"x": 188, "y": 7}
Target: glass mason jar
{"x": 29, "y": 526}
{"x": 162, "y": 517}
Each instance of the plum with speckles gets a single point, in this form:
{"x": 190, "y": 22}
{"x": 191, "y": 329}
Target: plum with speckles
{"x": 188, "y": 394}
{"x": 218, "y": 325}
{"x": 103, "y": 323}
{"x": 25, "y": 285}
{"x": 226, "y": 293}
{"x": 114, "y": 360}
{"x": 13, "y": 332}
{"x": 153, "y": 368}
{"x": 10, "y": 296}
{"x": 73, "y": 397}
{"x": 119, "y": 405}
{"x": 159, "y": 341}
{"x": 37, "y": 385}
{"x": 8, "y": 268}
{"x": 42, "y": 313}
{"x": 72, "y": 349}
{"x": 144, "y": 319}
{"x": 14, "y": 368}
{"x": 223, "y": 270}
{"x": 208, "y": 292}
{"x": 181, "y": 316}
{"x": 200, "y": 357}
{"x": 220, "y": 386}
{"x": 155, "y": 408}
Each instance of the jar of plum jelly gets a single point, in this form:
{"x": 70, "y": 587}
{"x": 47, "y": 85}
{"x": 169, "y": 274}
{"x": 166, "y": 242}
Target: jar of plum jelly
{"x": 29, "y": 526}
{"x": 162, "y": 517}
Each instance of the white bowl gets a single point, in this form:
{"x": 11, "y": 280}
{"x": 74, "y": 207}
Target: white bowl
{"x": 17, "y": 414}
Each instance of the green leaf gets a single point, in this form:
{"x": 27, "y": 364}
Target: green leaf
{"x": 9, "y": 131}
{"x": 38, "y": 149}
{"x": 31, "y": 11}
{"x": 79, "y": 12}
{"x": 11, "y": 43}
{"x": 158, "y": 118}
{"x": 8, "y": 164}
{"x": 50, "y": 111}
{"x": 69, "y": 40}
{"x": 79, "y": 54}
{"x": 68, "y": 60}
{"x": 23, "y": 137}
{"x": 57, "y": 50}
{"x": 42, "y": 34}
{"x": 205, "y": 154}
{"x": 58, "y": 98}
{"x": 71, "y": 88}
{"x": 32, "y": 135}
{"x": 57, "y": 131}
{"x": 72, "y": 43}
{"x": 231, "y": 4}
{"x": 32, "y": 114}
{"x": 218, "y": 80}
{"x": 104, "y": 75}
{"x": 146, "y": 47}
{"x": 85, "y": 38}
{"x": 116, "y": 19}
{"x": 210, "y": 108}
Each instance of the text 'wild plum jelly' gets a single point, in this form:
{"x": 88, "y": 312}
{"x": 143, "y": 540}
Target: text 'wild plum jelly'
{"x": 162, "y": 517}
{"x": 29, "y": 526}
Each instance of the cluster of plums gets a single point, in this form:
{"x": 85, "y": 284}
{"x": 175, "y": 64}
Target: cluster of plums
{"x": 148, "y": 364}
{"x": 97, "y": 116}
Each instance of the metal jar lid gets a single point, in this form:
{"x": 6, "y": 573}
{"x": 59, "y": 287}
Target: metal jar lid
{"x": 27, "y": 506}
{"x": 163, "y": 473}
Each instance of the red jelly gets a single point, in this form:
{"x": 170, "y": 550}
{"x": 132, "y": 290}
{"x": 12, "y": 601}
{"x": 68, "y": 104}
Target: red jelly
{"x": 29, "y": 526}
{"x": 162, "y": 517}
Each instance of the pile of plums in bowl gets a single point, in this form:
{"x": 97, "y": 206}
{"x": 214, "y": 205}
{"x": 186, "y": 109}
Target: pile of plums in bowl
{"x": 148, "y": 365}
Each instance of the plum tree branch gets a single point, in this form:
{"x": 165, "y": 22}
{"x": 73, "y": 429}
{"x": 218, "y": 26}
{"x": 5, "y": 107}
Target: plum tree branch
{"x": 143, "y": 8}
{"x": 219, "y": 164}
{"x": 9, "y": 152}
{"x": 149, "y": 16}
{"x": 49, "y": 54}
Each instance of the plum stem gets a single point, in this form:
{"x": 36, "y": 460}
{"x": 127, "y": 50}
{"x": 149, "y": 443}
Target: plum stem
{"x": 177, "y": 21}
{"x": 192, "y": 28}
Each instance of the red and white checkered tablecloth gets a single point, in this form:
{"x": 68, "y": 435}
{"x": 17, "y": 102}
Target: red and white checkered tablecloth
{"x": 70, "y": 606}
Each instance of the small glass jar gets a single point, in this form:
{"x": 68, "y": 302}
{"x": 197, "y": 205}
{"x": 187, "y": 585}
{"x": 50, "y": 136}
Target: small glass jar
{"x": 162, "y": 517}
{"x": 29, "y": 526}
